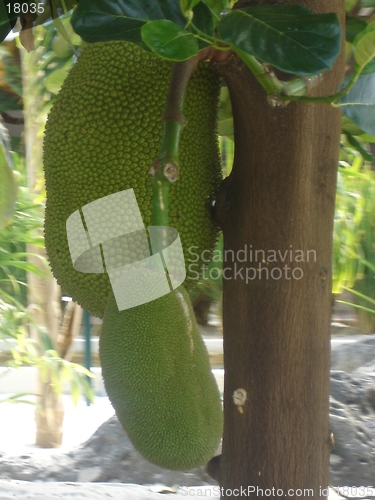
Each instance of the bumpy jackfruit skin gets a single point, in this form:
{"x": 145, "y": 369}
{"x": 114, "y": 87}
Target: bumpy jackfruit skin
{"x": 101, "y": 137}
{"x": 157, "y": 376}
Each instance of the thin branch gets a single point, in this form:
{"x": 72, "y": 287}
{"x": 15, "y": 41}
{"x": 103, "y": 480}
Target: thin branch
{"x": 165, "y": 167}
{"x": 180, "y": 77}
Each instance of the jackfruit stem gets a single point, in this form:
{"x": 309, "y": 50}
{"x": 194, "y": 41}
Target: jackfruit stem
{"x": 170, "y": 141}
{"x": 262, "y": 73}
{"x": 164, "y": 169}
{"x": 178, "y": 85}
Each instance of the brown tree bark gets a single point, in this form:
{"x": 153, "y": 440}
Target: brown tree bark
{"x": 43, "y": 292}
{"x": 279, "y": 197}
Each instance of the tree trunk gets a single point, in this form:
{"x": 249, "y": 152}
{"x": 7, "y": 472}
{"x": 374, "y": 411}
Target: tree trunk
{"x": 44, "y": 304}
{"x": 279, "y": 198}
{"x": 43, "y": 292}
{"x": 49, "y": 418}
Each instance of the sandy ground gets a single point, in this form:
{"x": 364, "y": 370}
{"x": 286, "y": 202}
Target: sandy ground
{"x": 17, "y": 425}
{"x": 17, "y": 434}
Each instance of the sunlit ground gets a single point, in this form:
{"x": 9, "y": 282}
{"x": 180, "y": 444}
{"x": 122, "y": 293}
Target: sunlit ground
{"x": 17, "y": 436}
{"x": 17, "y": 429}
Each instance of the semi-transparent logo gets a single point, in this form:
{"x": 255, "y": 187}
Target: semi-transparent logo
{"x": 108, "y": 235}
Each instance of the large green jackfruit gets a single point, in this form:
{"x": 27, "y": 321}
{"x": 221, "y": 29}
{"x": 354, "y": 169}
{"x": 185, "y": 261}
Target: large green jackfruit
{"x": 102, "y": 136}
{"x": 157, "y": 376}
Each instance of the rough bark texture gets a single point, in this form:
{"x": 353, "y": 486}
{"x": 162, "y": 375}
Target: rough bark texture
{"x": 43, "y": 292}
{"x": 44, "y": 305}
{"x": 279, "y": 197}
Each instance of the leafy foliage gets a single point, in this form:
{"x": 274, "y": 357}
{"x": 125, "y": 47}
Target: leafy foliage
{"x": 24, "y": 228}
{"x": 359, "y": 104}
{"x": 364, "y": 49}
{"x": 267, "y": 32}
{"x": 353, "y": 238}
{"x": 225, "y": 116}
{"x": 8, "y": 185}
{"x": 272, "y": 33}
{"x": 353, "y": 27}
{"x": 7, "y": 21}
{"x": 11, "y": 81}
{"x": 289, "y": 38}
{"x": 15, "y": 322}
{"x": 348, "y": 216}
{"x": 101, "y": 20}
{"x": 168, "y": 40}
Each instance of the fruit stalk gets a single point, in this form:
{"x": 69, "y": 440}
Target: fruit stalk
{"x": 165, "y": 168}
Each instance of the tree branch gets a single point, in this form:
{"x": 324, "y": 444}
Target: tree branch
{"x": 164, "y": 169}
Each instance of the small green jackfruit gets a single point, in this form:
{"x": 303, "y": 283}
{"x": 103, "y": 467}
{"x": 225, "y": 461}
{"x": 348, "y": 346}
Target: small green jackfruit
{"x": 102, "y": 135}
{"x": 157, "y": 376}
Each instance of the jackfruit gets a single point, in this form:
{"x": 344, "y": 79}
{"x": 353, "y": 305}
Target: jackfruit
{"x": 157, "y": 376}
{"x": 102, "y": 135}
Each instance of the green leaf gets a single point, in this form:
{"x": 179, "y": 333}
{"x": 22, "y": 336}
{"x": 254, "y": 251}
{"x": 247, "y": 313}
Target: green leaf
{"x": 8, "y": 188}
{"x": 54, "y": 80}
{"x": 225, "y": 128}
{"x": 17, "y": 398}
{"x": 356, "y": 306}
{"x": 348, "y": 127}
{"x": 7, "y": 19}
{"x": 187, "y": 6}
{"x": 358, "y": 146}
{"x": 364, "y": 46}
{"x": 368, "y": 138}
{"x": 168, "y": 40}
{"x": 369, "y": 68}
{"x": 225, "y": 118}
{"x": 5, "y": 27}
{"x": 353, "y": 27}
{"x": 45, "y": 340}
{"x": 75, "y": 388}
{"x": 361, "y": 295}
{"x": 5, "y": 144}
{"x": 359, "y": 104}
{"x": 87, "y": 389}
{"x": 289, "y": 38}
{"x": 217, "y": 7}
{"x": 26, "y": 266}
{"x": 103, "y": 20}
{"x": 367, "y": 3}
{"x": 350, "y": 4}
{"x": 65, "y": 371}
{"x": 59, "y": 25}
{"x": 81, "y": 370}
{"x": 204, "y": 21}
{"x": 54, "y": 9}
